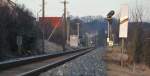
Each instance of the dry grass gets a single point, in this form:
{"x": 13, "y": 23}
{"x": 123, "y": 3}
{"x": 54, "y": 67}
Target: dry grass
{"x": 114, "y": 69}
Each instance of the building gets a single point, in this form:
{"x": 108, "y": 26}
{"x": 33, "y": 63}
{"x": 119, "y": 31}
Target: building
{"x": 48, "y": 24}
{"x": 53, "y": 21}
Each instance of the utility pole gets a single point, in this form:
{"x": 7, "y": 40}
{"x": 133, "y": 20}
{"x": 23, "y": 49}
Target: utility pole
{"x": 64, "y": 24}
{"x": 78, "y": 32}
{"x": 43, "y": 24}
{"x": 78, "y": 29}
{"x": 68, "y": 31}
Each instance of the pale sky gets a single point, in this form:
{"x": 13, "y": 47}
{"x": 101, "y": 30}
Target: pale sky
{"x": 80, "y": 7}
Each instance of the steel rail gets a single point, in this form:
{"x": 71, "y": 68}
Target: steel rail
{"x": 45, "y": 68}
{"x": 6, "y": 65}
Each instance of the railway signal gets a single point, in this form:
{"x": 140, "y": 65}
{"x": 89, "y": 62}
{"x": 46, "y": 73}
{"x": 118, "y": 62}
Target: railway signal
{"x": 110, "y": 14}
{"x": 109, "y": 18}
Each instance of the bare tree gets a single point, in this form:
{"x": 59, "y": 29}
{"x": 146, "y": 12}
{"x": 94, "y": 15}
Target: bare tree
{"x": 137, "y": 43}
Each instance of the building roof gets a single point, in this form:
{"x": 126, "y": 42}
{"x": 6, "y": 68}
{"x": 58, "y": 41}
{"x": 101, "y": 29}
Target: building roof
{"x": 54, "y": 21}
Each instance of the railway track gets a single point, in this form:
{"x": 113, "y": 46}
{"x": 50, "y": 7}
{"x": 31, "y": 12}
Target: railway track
{"x": 33, "y": 66}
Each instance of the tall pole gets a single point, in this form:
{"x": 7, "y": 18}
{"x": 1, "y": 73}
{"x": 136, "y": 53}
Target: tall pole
{"x": 68, "y": 31}
{"x": 43, "y": 15}
{"x": 78, "y": 31}
{"x": 122, "y": 50}
{"x": 108, "y": 34}
{"x": 43, "y": 8}
{"x": 65, "y": 25}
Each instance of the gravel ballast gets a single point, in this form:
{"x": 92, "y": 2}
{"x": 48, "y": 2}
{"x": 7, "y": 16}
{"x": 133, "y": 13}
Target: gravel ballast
{"x": 90, "y": 64}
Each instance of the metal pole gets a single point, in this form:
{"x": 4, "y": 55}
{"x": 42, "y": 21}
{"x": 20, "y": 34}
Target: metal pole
{"x": 78, "y": 29}
{"x": 43, "y": 8}
{"x": 122, "y": 51}
{"x": 108, "y": 29}
{"x": 78, "y": 32}
{"x": 65, "y": 25}
{"x": 108, "y": 39}
{"x": 43, "y": 15}
{"x": 68, "y": 32}
{"x": 65, "y": 17}
{"x": 96, "y": 40}
{"x": 87, "y": 41}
